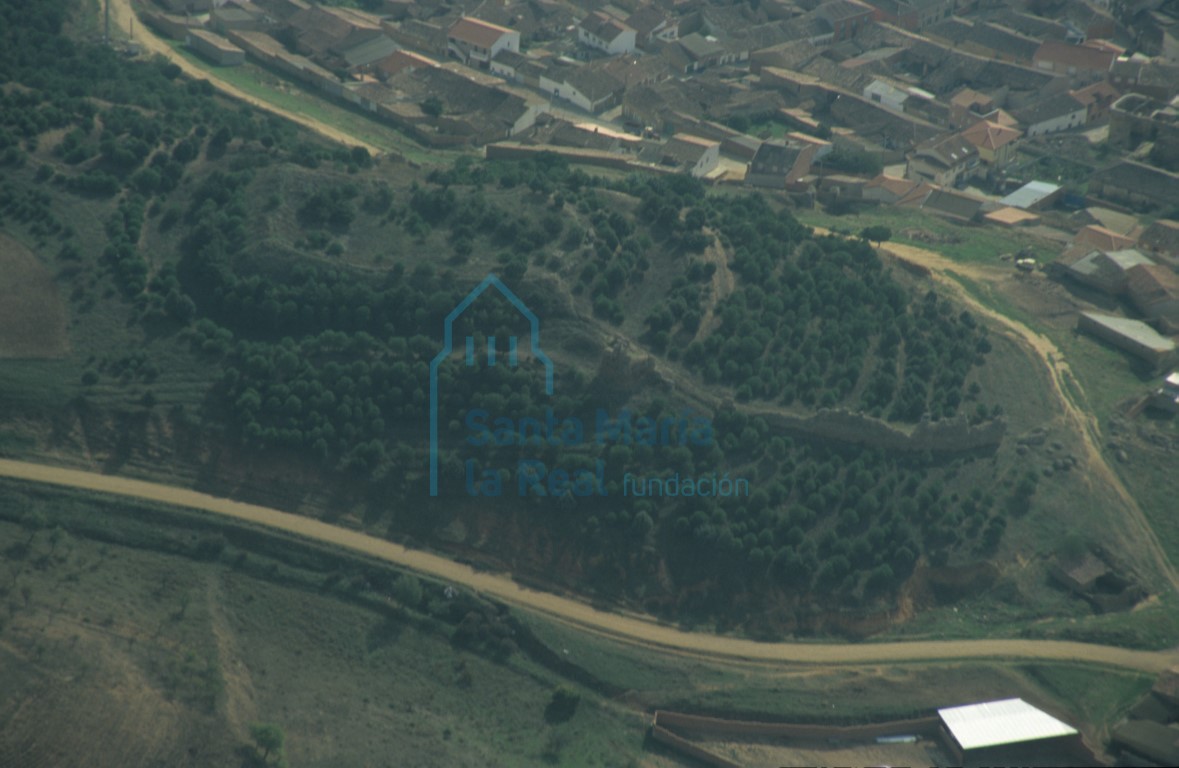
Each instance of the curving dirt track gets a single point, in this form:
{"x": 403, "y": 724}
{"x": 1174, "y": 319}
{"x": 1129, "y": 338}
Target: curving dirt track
{"x": 1060, "y": 373}
{"x": 628, "y": 628}
{"x": 121, "y": 16}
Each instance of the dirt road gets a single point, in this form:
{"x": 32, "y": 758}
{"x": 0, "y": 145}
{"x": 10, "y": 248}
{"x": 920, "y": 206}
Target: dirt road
{"x": 121, "y": 16}
{"x": 1063, "y": 382}
{"x": 628, "y": 628}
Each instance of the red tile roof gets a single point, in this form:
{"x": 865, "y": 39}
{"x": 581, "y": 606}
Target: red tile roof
{"x": 477, "y": 32}
{"x": 987, "y": 135}
{"x": 1102, "y": 239}
{"x": 1079, "y": 56}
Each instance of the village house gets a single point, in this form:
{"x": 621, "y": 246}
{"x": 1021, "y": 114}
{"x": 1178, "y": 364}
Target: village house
{"x": 1098, "y": 99}
{"x": 341, "y": 39}
{"x": 1134, "y": 184}
{"x": 888, "y": 131}
{"x": 996, "y": 144}
{"x": 587, "y": 136}
{"x": 986, "y": 39}
{"x": 1011, "y": 217}
{"x": 1106, "y": 270}
{"x": 1135, "y": 118}
{"x": 363, "y": 51}
{"x": 952, "y": 205}
{"x": 1150, "y": 77}
{"x": 476, "y": 42}
{"x": 703, "y": 52}
{"x": 967, "y": 106}
{"x": 215, "y": 48}
{"x": 1154, "y": 290}
{"x": 846, "y": 17}
{"x": 606, "y": 33}
{"x": 398, "y": 61}
{"x": 1034, "y": 196}
{"x": 283, "y": 10}
{"x": 836, "y": 188}
{"x": 241, "y": 15}
{"x": 689, "y": 154}
{"x": 1081, "y": 575}
{"x": 537, "y": 21}
{"x": 518, "y": 68}
{"x": 1079, "y": 62}
{"x": 653, "y": 25}
{"x": 1133, "y": 336}
{"x": 171, "y": 25}
{"x": 886, "y": 95}
{"x": 1162, "y": 236}
{"x": 419, "y": 35}
{"x": 889, "y": 190}
{"x": 779, "y": 164}
{"x": 469, "y": 108}
{"x": 1096, "y": 237}
{"x": 1061, "y": 112}
{"x": 187, "y": 6}
{"x": 912, "y": 15}
{"x": 590, "y": 87}
{"x": 1166, "y": 398}
{"x": 943, "y": 161}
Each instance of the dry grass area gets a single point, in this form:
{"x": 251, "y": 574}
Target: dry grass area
{"x": 32, "y": 315}
{"x": 770, "y": 754}
{"x": 115, "y": 656}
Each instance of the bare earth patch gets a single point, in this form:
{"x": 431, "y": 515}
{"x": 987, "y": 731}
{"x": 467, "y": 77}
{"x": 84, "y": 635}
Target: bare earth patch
{"x": 32, "y": 316}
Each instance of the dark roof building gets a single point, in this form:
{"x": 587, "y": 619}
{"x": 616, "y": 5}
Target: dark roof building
{"x": 953, "y": 205}
{"x": 1055, "y": 113}
{"x": 1162, "y": 236}
{"x": 846, "y": 17}
{"x": 1133, "y": 336}
{"x": 606, "y": 33}
{"x": 1135, "y": 185}
{"x": 1154, "y": 741}
{"x": 693, "y": 155}
{"x": 986, "y": 39}
{"x": 778, "y": 164}
{"x": 651, "y": 23}
{"x": 1154, "y": 290}
{"x": 912, "y": 14}
{"x": 944, "y": 161}
{"x": 1079, "y": 61}
{"x": 1107, "y": 270}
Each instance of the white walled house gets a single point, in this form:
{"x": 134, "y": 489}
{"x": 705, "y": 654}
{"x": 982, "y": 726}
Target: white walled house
{"x": 693, "y": 155}
{"x": 475, "y": 42}
{"x": 886, "y": 95}
{"x": 606, "y": 33}
{"x": 1061, "y": 112}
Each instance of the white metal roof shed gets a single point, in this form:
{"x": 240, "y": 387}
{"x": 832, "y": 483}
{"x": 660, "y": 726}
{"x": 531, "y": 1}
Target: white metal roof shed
{"x": 993, "y": 723}
{"x": 1030, "y": 194}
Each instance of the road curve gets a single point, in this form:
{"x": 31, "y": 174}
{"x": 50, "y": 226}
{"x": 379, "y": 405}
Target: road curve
{"x": 634, "y": 629}
{"x": 122, "y": 14}
{"x": 1061, "y": 377}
